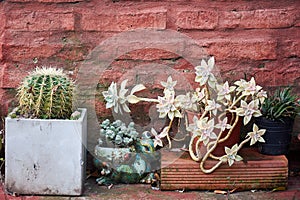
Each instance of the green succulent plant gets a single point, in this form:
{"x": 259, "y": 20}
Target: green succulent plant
{"x": 118, "y": 133}
{"x": 46, "y": 93}
{"x": 283, "y": 104}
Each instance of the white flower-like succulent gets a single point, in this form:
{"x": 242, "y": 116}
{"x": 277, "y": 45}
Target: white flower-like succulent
{"x": 248, "y": 87}
{"x": 222, "y": 125}
{"x": 248, "y": 110}
{"x": 231, "y": 155}
{"x": 212, "y": 106}
{"x": 187, "y": 101}
{"x": 193, "y": 127}
{"x": 241, "y": 85}
{"x": 261, "y": 95}
{"x": 116, "y": 100}
{"x": 157, "y": 137}
{"x": 256, "y": 135}
{"x": 204, "y": 73}
{"x": 169, "y": 85}
{"x": 166, "y": 106}
{"x": 200, "y": 94}
{"x": 203, "y": 128}
{"x": 131, "y": 98}
{"x": 224, "y": 91}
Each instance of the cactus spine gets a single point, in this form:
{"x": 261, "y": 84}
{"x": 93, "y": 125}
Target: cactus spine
{"x": 46, "y": 93}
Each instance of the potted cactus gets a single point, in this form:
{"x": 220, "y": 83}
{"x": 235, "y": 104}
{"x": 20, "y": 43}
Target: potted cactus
{"x": 45, "y": 137}
{"x": 278, "y": 113}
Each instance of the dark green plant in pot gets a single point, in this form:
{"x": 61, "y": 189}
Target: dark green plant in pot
{"x": 46, "y": 93}
{"x": 283, "y": 104}
{"x": 278, "y": 113}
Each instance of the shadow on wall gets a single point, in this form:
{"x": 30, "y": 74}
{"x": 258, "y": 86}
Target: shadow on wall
{"x": 296, "y": 128}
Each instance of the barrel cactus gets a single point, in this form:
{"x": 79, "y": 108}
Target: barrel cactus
{"x": 46, "y": 93}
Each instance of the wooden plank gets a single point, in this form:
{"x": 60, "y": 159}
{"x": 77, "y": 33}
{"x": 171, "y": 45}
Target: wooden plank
{"x": 259, "y": 171}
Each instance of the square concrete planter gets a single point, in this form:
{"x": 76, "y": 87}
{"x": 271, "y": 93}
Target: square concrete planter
{"x": 45, "y": 157}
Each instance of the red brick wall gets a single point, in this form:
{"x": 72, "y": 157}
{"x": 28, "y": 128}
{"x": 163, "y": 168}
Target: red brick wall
{"x": 248, "y": 38}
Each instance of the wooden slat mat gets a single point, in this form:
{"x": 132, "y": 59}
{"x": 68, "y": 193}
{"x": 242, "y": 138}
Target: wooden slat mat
{"x": 257, "y": 171}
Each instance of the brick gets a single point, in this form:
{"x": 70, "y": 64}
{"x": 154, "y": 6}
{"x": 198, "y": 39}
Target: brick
{"x": 190, "y": 77}
{"x": 67, "y": 41}
{"x": 93, "y": 38}
{"x": 1, "y": 74}
{"x": 2, "y": 18}
{"x": 149, "y": 54}
{"x": 278, "y": 73}
{"x": 40, "y": 21}
{"x": 101, "y": 110}
{"x": 183, "y": 65}
{"x": 202, "y": 19}
{"x": 73, "y": 52}
{"x": 111, "y": 75}
{"x": 232, "y": 65}
{"x": 46, "y": 1}
{"x": 9, "y": 197}
{"x": 123, "y": 65}
{"x": 2, "y": 27}
{"x": 268, "y": 18}
{"x": 265, "y": 78}
{"x": 13, "y": 74}
{"x": 229, "y": 19}
{"x": 19, "y": 53}
{"x": 252, "y": 48}
{"x": 1, "y": 53}
{"x": 293, "y": 47}
{"x": 59, "y": 1}
{"x": 287, "y": 71}
{"x": 28, "y": 38}
{"x": 7, "y": 102}
{"x": 117, "y": 21}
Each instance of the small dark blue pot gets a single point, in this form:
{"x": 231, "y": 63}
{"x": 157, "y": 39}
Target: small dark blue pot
{"x": 277, "y": 137}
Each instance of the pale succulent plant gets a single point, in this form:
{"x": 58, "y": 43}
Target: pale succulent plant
{"x": 118, "y": 133}
{"x": 215, "y": 101}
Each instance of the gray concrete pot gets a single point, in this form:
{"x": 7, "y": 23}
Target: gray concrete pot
{"x": 45, "y": 157}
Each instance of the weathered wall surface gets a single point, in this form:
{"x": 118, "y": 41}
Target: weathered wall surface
{"x": 247, "y": 38}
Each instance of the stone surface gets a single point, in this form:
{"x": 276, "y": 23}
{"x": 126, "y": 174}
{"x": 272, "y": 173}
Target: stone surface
{"x": 201, "y": 19}
{"x": 40, "y": 21}
{"x": 20, "y": 53}
{"x": 123, "y": 21}
{"x": 2, "y": 29}
{"x": 244, "y": 31}
{"x": 247, "y": 38}
{"x": 244, "y": 48}
{"x": 140, "y": 191}
{"x": 229, "y": 19}
{"x": 13, "y": 74}
{"x": 269, "y": 18}
{"x": 143, "y": 191}
{"x": 1, "y": 54}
